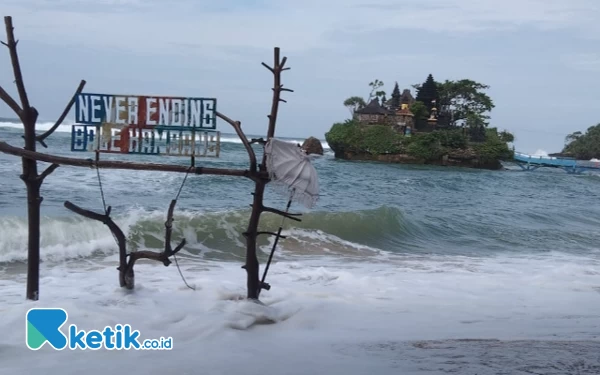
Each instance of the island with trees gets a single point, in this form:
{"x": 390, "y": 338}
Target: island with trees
{"x": 582, "y": 146}
{"x": 446, "y": 123}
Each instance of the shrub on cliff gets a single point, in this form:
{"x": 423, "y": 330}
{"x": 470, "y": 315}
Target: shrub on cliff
{"x": 350, "y": 136}
{"x": 432, "y": 146}
{"x": 426, "y": 147}
{"x": 584, "y": 146}
{"x": 495, "y": 146}
{"x": 343, "y": 137}
{"x": 381, "y": 139}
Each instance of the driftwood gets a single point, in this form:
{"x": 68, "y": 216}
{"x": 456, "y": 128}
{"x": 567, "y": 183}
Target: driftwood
{"x": 33, "y": 181}
{"x": 28, "y": 115}
{"x": 254, "y": 284}
{"x": 126, "y": 274}
{"x": 109, "y": 164}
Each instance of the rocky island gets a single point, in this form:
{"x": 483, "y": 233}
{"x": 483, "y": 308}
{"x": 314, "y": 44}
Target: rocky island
{"x": 582, "y": 146}
{"x": 445, "y": 124}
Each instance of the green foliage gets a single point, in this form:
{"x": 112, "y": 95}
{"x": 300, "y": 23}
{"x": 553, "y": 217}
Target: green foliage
{"x": 380, "y": 139}
{"x": 375, "y": 92}
{"x": 354, "y": 103}
{"x": 462, "y": 103}
{"x": 494, "y": 148}
{"x": 506, "y": 136}
{"x": 420, "y": 111}
{"x": 344, "y": 136}
{"x": 432, "y": 146}
{"x": 584, "y": 146}
{"x": 573, "y": 137}
{"x": 396, "y": 96}
{"x": 350, "y": 136}
{"x": 425, "y": 147}
{"x": 465, "y": 101}
{"x": 452, "y": 138}
{"x": 427, "y": 93}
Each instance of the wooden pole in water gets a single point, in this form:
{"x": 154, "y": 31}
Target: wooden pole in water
{"x": 258, "y": 173}
{"x": 252, "y": 268}
{"x": 28, "y": 116}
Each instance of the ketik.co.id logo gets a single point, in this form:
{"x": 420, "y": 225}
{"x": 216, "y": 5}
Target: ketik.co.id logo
{"x": 43, "y": 326}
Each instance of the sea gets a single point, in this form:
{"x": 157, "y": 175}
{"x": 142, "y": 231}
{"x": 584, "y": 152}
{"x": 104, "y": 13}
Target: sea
{"x": 398, "y": 269}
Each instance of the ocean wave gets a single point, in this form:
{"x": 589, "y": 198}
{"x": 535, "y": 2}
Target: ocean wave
{"x": 213, "y": 235}
{"x": 66, "y": 128}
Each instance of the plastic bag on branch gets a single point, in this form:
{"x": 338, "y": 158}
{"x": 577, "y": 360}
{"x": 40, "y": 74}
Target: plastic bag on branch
{"x": 292, "y": 172}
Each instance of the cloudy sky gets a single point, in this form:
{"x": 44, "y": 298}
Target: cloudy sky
{"x": 540, "y": 57}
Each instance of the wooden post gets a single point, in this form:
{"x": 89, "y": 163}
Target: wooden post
{"x": 252, "y": 267}
{"x": 28, "y": 116}
{"x": 258, "y": 173}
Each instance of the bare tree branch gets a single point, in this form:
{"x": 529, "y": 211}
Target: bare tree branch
{"x": 168, "y": 229}
{"x": 47, "y": 172}
{"x": 253, "y": 282}
{"x": 238, "y": 129}
{"x": 126, "y": 274}
{"x": 41, "y": 138}
{"x": 14, "y": 57}
{"x": 272, "y": 234}
{"x": 282, "y": 213}
{"x": 277, "y": 89}
{"x": 6, "y": 98}
{"x": 268, "y": 67}
{"x": 76, "y": 162}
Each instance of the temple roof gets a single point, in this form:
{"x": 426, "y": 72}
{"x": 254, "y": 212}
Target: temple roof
{"x": 407, "y": 97}
{"x": 405, "y": 112}
{"x": 374, "y": 108}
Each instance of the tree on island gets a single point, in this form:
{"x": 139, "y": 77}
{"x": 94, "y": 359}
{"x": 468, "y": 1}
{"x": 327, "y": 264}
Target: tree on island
{"x": 395, "y": 103}
{"x": 355, "y": 103}
{"x": 420, "y": 111}
{"x": 427, "y": 93}
{"x": 459, "y": 103}
{"x": 583, "y": 146}
{"x": 375, "y": 92}
{"x": 465, "y": 102}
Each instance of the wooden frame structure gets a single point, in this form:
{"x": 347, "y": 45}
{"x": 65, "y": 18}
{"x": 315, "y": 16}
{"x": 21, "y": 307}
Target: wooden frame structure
{"x": 28, "y": 115}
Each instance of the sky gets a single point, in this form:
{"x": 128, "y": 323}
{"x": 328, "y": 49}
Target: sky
{"x": 539, "y": 57}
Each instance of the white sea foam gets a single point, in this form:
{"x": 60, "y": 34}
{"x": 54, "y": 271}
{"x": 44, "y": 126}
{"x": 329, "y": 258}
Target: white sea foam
{"x": 66, "y": 128}
{"x": 321, "y": 316}
{"x": 61, "y": 239}
{"x": 71, "y": 236}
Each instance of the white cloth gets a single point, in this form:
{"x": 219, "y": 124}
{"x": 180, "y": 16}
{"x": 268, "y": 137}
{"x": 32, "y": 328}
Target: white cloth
{"x": 290, "y": 167}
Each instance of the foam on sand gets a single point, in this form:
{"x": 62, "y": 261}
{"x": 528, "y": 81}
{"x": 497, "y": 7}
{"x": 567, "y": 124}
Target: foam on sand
{"x": 321, "y": 316}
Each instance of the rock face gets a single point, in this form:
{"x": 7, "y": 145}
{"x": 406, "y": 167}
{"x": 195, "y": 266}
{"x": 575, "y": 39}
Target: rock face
{"x": 465, "y": 159}
{"x": 312, "y": 146}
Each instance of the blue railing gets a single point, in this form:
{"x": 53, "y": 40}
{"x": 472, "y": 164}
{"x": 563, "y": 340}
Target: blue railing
{"x": 550, "y": 161}
{"x": 545, "y": 160}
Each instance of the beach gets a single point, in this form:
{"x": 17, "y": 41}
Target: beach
{"x": 398, "y": 269}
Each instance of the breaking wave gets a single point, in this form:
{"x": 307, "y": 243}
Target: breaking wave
{"x": 66, "y": 128}
{"x": 212, "y": 235}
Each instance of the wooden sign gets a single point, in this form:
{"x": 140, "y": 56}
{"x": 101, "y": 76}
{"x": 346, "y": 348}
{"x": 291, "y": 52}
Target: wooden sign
{"x": 145, "y": 125}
